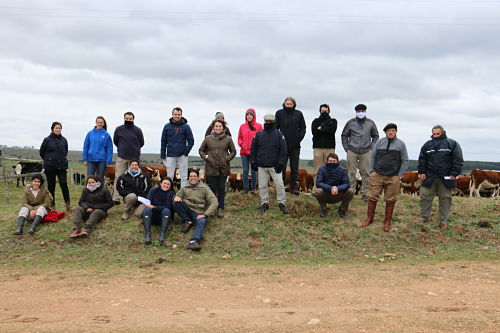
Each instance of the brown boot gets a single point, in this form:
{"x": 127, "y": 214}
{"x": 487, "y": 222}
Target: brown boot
{"x": 372, "y": 205}
{"x": 389, "y": 209}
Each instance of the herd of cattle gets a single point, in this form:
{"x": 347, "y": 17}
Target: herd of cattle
{"x": 485, "y": 182}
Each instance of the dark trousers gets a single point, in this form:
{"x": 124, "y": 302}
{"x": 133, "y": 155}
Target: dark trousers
{"x": 325, "y": 197}
{"x": 91, "y": 219}
{"x": 218, "y": 186}
{"x": 293, "y": 156}
{"x": 63, "y": 183}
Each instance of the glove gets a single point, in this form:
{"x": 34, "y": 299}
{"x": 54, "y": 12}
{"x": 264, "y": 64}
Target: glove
{"x": 254, "y": 167}
{"x": 278, "y": 169}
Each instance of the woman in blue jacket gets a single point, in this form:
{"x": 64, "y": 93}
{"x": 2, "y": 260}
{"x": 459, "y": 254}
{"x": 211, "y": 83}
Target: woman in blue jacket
{"x": 159, "y": 211}
{"x": 97, "y": 149}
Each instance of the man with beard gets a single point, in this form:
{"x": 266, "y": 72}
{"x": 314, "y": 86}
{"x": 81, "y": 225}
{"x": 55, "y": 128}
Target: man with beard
{"x": 323, "y": 137}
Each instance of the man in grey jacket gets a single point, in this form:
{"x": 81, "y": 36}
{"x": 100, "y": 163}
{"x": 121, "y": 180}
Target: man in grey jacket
{"x": 358, "y": 137}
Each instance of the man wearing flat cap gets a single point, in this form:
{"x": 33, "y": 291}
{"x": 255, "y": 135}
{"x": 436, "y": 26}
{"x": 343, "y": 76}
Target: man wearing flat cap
{"x": 388, "y": 162}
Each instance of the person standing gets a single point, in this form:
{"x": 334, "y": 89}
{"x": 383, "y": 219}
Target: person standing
{"x": 323, "y": 131}
{"x": 291, "y": 123}
{"x": 268, "y": 156}
{"x": 177, "y": 140}
{"x": 245, "y": 137}
{"x": 217, "y": 150}
{"x": 97, "y": 149}
{"x": 218, "y": 116}
{"x": 358, "y": 137}
{"x": 54, "y": 152}
{"x": 388, "y": 162}
{"x": 439, "y": 164}
{"x": 129, "y": 140}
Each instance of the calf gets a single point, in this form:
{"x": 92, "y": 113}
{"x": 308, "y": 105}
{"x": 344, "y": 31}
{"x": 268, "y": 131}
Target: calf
{"x": 235, "y": 182}
{"x": 463, "y": 186}
{"x": 485, "y": 179}
{"x": 410, "y": 183}
{"x": 26, "y": 167}
{"x": 301, "y": 179}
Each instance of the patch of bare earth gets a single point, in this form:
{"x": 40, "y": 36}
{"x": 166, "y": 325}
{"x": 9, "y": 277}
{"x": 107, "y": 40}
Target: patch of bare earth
{"x": 389, "y": 297}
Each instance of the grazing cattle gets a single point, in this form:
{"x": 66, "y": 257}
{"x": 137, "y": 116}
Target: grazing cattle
{"x": 26, "y": 167}
{"x": 78, "y": 178}
{"x": 463, "y": 186}
{"x": 301, "y": 179}
{"x": 109, "y": 175}
{"x": 485, "y": 179}
{"x": 235, "y": 182}
{"x": 410, "y": 183}
{"x": 309, "y": 181}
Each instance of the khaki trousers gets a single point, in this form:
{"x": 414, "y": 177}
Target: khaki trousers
{"x": 319, "y": 159}
{"x": 378, "y": 183}
{"x": 120, "y": 168}
{"x": 427, "y": 196}
{"x": 362, "y": 162}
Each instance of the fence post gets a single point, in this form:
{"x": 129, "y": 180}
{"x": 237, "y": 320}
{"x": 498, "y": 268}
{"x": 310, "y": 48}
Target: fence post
{"x": 5, "y": 181}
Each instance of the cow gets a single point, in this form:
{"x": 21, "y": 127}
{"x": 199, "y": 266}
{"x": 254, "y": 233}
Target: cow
{"x": 410, "y": 183}
{"x": 463, "y": 186}
{"x": 26, "y": 167}
{"x": 485, "y": 179}
{"x": 235, "y": 182}
{"x": 301, "y": 179}
{"x": 309, "y": 181}
{"x": 78, "y": 178}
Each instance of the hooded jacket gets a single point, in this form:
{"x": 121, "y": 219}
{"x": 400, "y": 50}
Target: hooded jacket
{"x": 100, "y": 198}
{"x": 324, "y": 137}
{"x": 291, "y": 123}
{"x": 43, "y": 198}
{"x": 217, "y": 154}
{"x": 129, "y": 141}
{"x": 177, "y": 139}
{"x": 98, "y": 146}
{"x": 138, "y": 184}
{"x": 246, "y": 135}
{"x": 359, "y": 135}
{"x": 268, "y": 148}
{"x": 54, "y": 151}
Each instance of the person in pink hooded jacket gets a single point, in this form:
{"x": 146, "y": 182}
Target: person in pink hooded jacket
{"x": 245, "y": 136}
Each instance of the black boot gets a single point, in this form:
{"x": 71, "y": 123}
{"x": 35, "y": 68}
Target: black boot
{"x": 163, "y": 228}
{"x": 20, "y": 225}
{"x": 35, "y": 223}
{"x": 147, "y": 229}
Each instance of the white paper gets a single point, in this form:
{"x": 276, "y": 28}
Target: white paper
{"x": 144, "y": 200}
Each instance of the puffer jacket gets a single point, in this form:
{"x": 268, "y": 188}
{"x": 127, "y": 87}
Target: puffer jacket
{"x": 98, "y": 146}
{"x": 440, "y": 157}
{"x": 199, "y": 198}
{"x": 324, "y": 137}
{"x": 332, "y": 175}
{"x": 54, "y": 152}
{"x": 389, "y": 157}
{"x": 291, "y": 123}
{"x": 43, "y": 198}
{"x": 359, "y": 135}
{"x": 268, "y": 148}
{"x": 139, "y": 184}
{"x": 176, "y": 138}
{"x": 100, "y": 198}
{"x": 246, "y": 135}
{"x": 217, "y": 154}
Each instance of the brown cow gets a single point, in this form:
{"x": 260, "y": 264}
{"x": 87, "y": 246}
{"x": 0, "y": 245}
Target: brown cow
{"x": 410, "y": 183}
{"x": 301, "y": 179}
{"x": 485, "y": 179}
{"x": 309, "y": 181}
{"x": 235, "y": 181}
{"x": 463, "y": 186}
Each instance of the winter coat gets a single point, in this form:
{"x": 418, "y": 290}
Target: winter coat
{"x": 217, "y": 154}
{"x": 98, "y": 146}
{"x": 293, "y": 126}
{"x": 268, "y": 148}
{"x": 161, "y": 199}
{"x": 138, "y": 184}
{"x": 440, "y": 157}
{"x": 100, "y": 198}
{"x": 199, "y": 198}
{"x": 176, "y": 139}
{"x": 389, "y": 157}
{"x": 54, "y": 152}
{"x": 129, "y": 141}
{"x": 43, "y": 198}
{"x": 246, "y": 135}
{"x": 324, "y": 137}
{"x": 332, "y": 175}
{"x": 359, "y": 135}
{"x": 211, "y": 128}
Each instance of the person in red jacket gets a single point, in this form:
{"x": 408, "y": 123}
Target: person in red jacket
{"x": 245, "y": 136}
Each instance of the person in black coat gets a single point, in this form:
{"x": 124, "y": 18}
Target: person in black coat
{"x": 159, "y": 210}
{"x": 54, "y": 152}
{"x": 132, "y": 186}
{"x": 323, "y": 136}
{"x": 92, "y": 207}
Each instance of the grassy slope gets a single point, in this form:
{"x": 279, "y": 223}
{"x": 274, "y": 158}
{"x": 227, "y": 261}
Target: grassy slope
{"x": 301, "y": 237}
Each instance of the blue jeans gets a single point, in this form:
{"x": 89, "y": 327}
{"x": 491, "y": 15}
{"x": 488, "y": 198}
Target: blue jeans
{"x": 187, "y": 215}
{"x": 245, "y": 162}
{"x": 92, "y": 167}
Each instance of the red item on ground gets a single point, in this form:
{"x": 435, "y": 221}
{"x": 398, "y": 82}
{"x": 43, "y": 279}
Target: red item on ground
{"x": 53, "y": 216}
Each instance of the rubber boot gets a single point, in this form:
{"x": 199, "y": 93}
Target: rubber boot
{"x": 322, "y": 211}
{"x": 20, "y": 225}
{"x": 147, "y": 229}
{"x": 372, "y": 205}
{"x": 35, "y": 223}
{"x": 389, "y": 209}
{"x": 163, "y": 228}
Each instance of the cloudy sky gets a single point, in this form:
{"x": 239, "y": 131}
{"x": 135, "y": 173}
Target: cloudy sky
{"x": 416, "y": 63}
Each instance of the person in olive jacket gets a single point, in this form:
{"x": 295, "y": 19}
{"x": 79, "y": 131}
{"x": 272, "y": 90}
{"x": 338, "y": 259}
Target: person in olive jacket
{"x": 54, "y": 152}
{"x": 92, "y": 207}
{"x": 217, "y": 150}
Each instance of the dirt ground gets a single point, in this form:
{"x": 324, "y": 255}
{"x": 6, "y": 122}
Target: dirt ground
{"x": 371, "y": 297}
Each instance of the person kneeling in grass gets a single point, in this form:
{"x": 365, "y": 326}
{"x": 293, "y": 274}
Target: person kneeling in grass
{"x": 159, "y": 210}
{"x": 194, "y": 203}
{"x": 92, "y": 207}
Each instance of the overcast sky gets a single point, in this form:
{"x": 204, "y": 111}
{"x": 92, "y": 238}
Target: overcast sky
{"x": 416, "y": 63}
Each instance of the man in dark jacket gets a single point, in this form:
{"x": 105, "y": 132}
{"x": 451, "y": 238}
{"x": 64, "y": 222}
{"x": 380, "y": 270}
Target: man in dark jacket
{"x": 388, "y": 162}
{"x": 323, "y": 136}
{"x": 129, "y": 140}
{"x": 291, "y": 123}
{"x": 268, "y": 156}
{"x": 439, "y": 164}
{"x": 177, "y": 139}
{"x": 333, "y": 186}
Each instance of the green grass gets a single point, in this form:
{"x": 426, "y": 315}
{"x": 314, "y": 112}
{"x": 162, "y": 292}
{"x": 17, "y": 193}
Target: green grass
{"x": 301, "y": 237}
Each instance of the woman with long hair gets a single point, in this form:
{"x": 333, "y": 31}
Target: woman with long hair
{"x": 97, "y": 149}
{"x": 245, "y": 137}
{"x": 159, "y": 210}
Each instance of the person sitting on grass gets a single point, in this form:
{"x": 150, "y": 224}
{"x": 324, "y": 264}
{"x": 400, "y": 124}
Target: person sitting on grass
{"x": 36, "y": 203}
{"x": 132, "y": 185}
{"x": 92, "y": 207}
{"x": 195, "y": 203}
{"x": 159, "y": 211}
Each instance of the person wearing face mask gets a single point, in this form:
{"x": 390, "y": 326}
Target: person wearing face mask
{"x": 291, "y": 123}
{"x": 217, "y": 150}
{"x": 92, "y": 207}
{"x": 132, "y": 185}
{"x": 388, "y": 162}
{"x": 97, "y": 149}
{"x": 54, "y": 152}
{"x": 268, "y": 156}
{"x": 323, "y": 136}
{"x": 332, "y": 186}
{"x": 218, "y": 116}
{"x": 129, "y": 140}
{"x": 245, "y": 137}
{"x": 358, "y": 137}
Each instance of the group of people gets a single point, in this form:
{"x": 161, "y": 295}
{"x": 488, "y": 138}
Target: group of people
{"x": 265, "y": 152}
